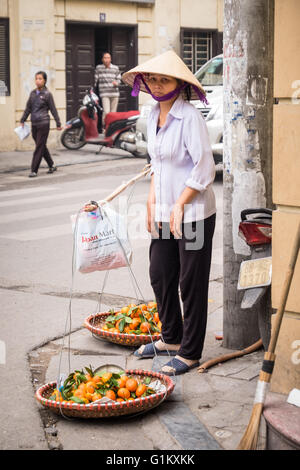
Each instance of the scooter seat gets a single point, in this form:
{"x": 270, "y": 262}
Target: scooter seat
{"x": 112, "y": 117}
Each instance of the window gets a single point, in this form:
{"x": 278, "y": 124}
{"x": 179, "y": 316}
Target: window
{"x": 4, "y": 57}
{"x": 196, "y": 48}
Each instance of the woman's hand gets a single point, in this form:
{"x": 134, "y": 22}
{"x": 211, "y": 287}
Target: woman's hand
{"x": 176, "y": 218}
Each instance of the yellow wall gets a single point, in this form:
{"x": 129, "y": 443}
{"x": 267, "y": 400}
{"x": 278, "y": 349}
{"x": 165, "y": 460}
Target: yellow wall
{"x": 286, "y": 188}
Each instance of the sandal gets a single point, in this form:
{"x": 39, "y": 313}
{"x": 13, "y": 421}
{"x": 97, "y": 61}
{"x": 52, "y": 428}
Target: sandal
{"x": 150, "y": 351}
{"x": 178, "y": 366}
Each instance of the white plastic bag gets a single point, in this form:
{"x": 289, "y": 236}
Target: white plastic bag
{"x": 97, "y": 246}
{"x": 22, "y": 132}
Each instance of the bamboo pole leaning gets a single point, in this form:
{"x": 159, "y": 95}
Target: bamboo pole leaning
{"x": 250, "y": 437}
{"x": 92, "y": 205}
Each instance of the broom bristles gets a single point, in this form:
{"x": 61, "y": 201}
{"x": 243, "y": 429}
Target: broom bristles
{"x": 250, "y": 437}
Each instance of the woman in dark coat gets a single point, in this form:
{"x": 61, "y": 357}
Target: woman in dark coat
{"x": 39, "y": 103}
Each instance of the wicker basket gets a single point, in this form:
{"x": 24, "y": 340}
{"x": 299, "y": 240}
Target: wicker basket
{"x": 94, "y": 323}
{"x": 106, "y": 410}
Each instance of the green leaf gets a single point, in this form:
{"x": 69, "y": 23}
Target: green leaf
{"x": 128, "y": 320}
{"x": 90, "y": 370}
{"x": 116, "y": 375}
{"x": 147, "y": 380}
{"x": 114, "y": 382}
{"x": 52, "y": 398}
{"x": 122, "y": 324}
{"x": 111, "y": 310}
{"x": 150, "y": 391}
{"x": 77, "y": 400}
{"x": 110, "y": 318}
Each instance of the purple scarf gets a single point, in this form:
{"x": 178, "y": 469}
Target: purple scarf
{"x": 137, "y": 85}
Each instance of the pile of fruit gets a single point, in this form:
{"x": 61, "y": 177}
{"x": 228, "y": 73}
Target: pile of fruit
{"x": 134, "y": 319}
{"x": 89, "y": 387}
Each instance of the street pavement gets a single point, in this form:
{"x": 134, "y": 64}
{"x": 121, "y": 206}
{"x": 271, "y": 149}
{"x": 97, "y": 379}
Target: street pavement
{"x": 205, "y": 411}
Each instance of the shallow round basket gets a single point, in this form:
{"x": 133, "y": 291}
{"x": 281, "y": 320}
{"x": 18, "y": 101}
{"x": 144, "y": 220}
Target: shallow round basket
{"x": 94, "y": 323}
{"x": 106, "y": 410}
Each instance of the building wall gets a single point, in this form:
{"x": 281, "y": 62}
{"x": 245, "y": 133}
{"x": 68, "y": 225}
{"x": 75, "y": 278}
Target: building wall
{"x": 286, "y": 189}
{"x": 37, "y": 41}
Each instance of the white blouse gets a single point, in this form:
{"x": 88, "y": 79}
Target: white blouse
{"x": 181, "y": 156}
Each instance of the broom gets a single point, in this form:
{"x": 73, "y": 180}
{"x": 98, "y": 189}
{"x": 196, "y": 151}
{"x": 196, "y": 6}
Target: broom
{"x": 250, "y": 437}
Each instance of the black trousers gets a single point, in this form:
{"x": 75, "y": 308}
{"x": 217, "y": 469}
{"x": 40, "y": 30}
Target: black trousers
{"x": 40, "y": 135}
{"x": 183, "y": 262}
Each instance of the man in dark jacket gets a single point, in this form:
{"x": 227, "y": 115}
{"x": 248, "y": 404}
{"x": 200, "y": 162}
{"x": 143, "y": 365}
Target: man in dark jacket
{"x": 39, "y": 103}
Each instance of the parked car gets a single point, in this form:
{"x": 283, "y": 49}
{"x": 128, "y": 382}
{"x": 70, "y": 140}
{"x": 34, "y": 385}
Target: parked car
{"x": 210, "y": 76}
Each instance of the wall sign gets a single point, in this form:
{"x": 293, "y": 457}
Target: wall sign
{"x": 102, "y": 17}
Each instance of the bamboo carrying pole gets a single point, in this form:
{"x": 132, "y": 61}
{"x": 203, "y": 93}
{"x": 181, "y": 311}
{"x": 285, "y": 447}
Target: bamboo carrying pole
{"x": 92, "y": 205}
{"x": 250, "y": 437}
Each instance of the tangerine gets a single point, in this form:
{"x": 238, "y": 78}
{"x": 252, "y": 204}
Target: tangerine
{"x": 120, "y": 399}
{"x": 122, "y": 381}
{"x": 152, "y": 304}
{"x": 123, "y": 393}
{"x": 145, "y": 327}
{"x": 131, "y": 385}
{"x": 125, "y": 310}
{"x": 106, "y": 376}
{"x": 110, "y": 394}
{"x": 134, "y": 324}
{"x": 90, "y": 387}
{"x": 96, "y": 379}
{"x": 156, "y": 317}
{"x": 140, "y": 390}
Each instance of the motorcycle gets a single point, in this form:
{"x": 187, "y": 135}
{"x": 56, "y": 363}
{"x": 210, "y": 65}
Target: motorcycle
{"x": 120, "y": 129}
{"x": 255, "y": 274}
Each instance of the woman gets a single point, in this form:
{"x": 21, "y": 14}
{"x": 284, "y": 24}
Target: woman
{"x": 181, "y": 208}
{"x": 38, "y": 105}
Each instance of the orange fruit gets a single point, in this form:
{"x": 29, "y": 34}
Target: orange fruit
{"x": 90, "y": 387}
{"x": 106, "y": 377}
{"x": 159, "y": 325}
{"x": 122, "y": 381}
{"x": 140, "y": 390}
{"x": 131, "y": 385}
{"x": 156, "y": 317}
{"x": 120, "y": 399}
{"x": 89, "y": 396}
{"x": 123, "y": 393}
{"x": 127, "y": 329}
{"x": 145, "y": 327}
{"x": 125, "y": 310}
{"x": 134, "y": 324}
{"x": 143, "y": 306}
{"x": 82, "y": 387}
{"x": 96, "y": 397}
{"x": 96, "y": 379}
{"x": 110, "y": 394}
{"x": 88, "y": 377}
{"x": 78, "y": 393}
{"x": 152, "y": 304}
{"x": 130, "y": 398}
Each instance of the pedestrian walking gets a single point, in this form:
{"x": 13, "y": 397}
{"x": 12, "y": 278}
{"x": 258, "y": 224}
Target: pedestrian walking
{"x": 181, "y": 208}
{"x": 107, "y": 81}
{"x": 39, "y": 103}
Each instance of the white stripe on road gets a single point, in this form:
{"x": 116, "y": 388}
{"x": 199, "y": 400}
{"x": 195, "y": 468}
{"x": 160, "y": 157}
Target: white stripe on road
{"x": 33, "y": 214}
{"x": 93, "y": 193}
{"x": 41, "y": 233}
{"x": 20, "y": 192}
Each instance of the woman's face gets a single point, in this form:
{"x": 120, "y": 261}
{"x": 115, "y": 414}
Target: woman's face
{"x": 161, "y": 84}
{"x": 40, "y": 81}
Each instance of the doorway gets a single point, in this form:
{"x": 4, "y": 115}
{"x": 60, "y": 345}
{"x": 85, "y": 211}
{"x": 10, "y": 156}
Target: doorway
{"x": 85, "y": 44}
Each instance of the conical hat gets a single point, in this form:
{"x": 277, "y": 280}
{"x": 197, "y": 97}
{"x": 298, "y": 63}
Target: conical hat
{"x": 168, "y": 63}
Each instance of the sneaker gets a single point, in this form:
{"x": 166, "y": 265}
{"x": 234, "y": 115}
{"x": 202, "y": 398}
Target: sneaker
{"x": 32, "y": 174}
{"x": 52, "y": 169}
